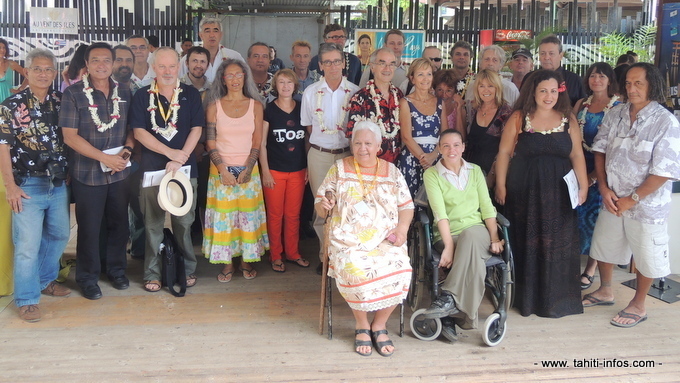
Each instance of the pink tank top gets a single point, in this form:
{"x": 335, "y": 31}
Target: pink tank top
{"x": 235, "y": 135}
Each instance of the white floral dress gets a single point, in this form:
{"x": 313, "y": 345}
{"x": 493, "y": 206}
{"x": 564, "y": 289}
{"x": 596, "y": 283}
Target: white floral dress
{"x": 371, "y": 273}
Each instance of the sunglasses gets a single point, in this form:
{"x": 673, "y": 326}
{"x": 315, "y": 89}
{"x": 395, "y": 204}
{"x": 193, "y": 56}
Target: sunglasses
{"x": 435, "y": 59}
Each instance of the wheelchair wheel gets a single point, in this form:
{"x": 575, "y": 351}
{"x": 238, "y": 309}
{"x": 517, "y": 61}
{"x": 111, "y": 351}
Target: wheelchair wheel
{"x": 494, "y": 331}
{"x": 425, "y": 329}
{"x": 494, "y": 281}
{"x": 416, "y": 252}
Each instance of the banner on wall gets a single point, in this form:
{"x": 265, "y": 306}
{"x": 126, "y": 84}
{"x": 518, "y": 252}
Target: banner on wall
{"x": 62, "y": 21}
{"x": 414, "y": 42}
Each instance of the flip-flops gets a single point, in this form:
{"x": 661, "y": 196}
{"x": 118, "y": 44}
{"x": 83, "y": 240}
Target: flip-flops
{"x": 248, "y": 273}
{"x": 225, "y": 277}
{"x": 592, "y": 301}
{"x": 191, "y": 280}
{"x": 152, "y": 286}
{"x": 278, "y": 267}
{"x": 622, "y": 314}
{"x": 300, "y": 262}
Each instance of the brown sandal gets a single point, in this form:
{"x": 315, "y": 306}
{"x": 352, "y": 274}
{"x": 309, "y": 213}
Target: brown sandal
{"x": 152, "y": 286}
{"x": 191, "y": 280}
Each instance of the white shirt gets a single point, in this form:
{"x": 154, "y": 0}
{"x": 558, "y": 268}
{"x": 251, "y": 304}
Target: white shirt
{"x": 332, "y": 103}
{"x": 222, "y": 54}
{"x": 459, "y": 181}
{"x": 142, "y": 82}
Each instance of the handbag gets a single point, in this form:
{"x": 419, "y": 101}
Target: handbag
{"x": 172, "y": 264}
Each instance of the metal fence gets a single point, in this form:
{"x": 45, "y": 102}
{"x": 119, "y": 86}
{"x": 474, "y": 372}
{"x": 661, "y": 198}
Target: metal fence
{"x": 99, "y": 20}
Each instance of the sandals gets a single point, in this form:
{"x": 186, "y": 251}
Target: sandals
{"x": 359, "y": 343}
{"x": 591, "y": 301}
{"x": 626, "y": 315}
{"x": 590, "y": 279}
{"x": 248, "y": 273}
{"x": 380, "y": 345}
{"x": 152, "y": 286}
{"x": 191, "y": 280}
{"x": 278, "y": 266}
{"x": 300, "y": 262}
{"x": 225, "y": 277}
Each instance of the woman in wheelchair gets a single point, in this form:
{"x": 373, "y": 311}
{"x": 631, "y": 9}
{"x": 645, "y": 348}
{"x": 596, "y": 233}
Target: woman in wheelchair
{"x": 367, "y": 235}
{"x": 466, "y": 232}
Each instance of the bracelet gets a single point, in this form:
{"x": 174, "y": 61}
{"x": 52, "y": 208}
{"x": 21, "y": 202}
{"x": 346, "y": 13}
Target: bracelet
{"x": 127, "y": 148}
{"x": 496, "y": 241}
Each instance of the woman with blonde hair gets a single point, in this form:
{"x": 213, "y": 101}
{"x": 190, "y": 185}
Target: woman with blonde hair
{"x": 422, "y": 117}
{"x": 485, "y": 118}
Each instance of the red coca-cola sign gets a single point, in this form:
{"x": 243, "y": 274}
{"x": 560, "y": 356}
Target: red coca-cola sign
{"x": 512, "y": 34}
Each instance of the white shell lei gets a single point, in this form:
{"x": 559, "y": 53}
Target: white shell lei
{"x": 171, "y": 125}
{"x": 345, "y": 107}
{"x": 102, "y": 127}
{"x": 582, "y": 120}
{"x": 530, "y": 129}
{"x": 394, "y": 121}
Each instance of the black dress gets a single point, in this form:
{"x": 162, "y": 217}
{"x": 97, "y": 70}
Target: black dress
{"x": 481, "y": 148}
{"x": 544, "y": 227}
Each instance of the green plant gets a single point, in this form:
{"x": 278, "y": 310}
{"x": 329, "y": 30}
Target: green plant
{"x": 642, "y": 41}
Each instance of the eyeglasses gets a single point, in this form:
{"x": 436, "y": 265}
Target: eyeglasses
{"x": 39, "y": 70}
{"x": 138, "y": 47}
{"x": 435, "y": 59}
{"x": 383, "y": 64}
{"x": 232, "y": 76}
{"x": 331, "y": 63}
{"x": 338, "y": 37}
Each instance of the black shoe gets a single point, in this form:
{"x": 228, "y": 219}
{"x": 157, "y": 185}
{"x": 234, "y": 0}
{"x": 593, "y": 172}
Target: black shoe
{"x": 120, "y": 282}
{"x": 449, "y": 329}
{"x": 319, "y": 269}
{"x": 443, "y": 306}
{"x": 92, "y": 292}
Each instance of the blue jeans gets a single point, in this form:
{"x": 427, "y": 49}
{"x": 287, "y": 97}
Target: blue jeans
{"x": 40, "y": 233}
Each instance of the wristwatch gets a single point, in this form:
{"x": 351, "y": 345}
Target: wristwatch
{"x": 635, "y": 197}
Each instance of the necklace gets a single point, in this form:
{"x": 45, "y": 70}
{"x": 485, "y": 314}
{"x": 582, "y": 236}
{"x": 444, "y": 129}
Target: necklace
{"x": 530, "y": 129}
{"x": 484, "y": 112}
{"x": 582, "y": 119}
{"x": 101, "y": 127}
{"x": 172, "y": 113}
{"x": 365, "y": 191}
{"x": 319, "y": 111}
{"x": 394, "y": 119}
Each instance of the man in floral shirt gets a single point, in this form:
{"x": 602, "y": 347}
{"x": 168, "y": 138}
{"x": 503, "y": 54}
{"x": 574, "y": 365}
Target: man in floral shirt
{"x": 33, "y": 166}
{"x": 637, "y": 155}
{"x": 379, "y": 102}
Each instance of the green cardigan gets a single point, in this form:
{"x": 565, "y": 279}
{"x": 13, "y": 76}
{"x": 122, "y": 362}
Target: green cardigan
{"x": 463, "y": 208}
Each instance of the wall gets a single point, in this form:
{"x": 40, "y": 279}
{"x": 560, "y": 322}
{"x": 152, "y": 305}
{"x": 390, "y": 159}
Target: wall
{"x": 280, "y": 32}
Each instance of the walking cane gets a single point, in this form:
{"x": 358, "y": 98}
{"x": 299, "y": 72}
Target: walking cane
{"x": 324, "y": 272}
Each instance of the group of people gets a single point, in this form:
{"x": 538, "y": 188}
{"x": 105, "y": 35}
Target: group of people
{"x": 367, "y": 141}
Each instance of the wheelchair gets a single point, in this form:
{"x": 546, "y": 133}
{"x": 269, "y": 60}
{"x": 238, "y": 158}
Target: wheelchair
{"x": 425, "y": 264}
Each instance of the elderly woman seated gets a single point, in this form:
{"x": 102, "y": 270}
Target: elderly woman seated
{"x": 371, "y": 210}
{"x": 466, "y": 232}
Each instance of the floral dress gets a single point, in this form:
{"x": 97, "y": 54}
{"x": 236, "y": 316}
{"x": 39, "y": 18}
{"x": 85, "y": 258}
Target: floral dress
{"x": 425, "y": 132}
{"x": 589, "y": 210}
{"x": 370, "y": 272}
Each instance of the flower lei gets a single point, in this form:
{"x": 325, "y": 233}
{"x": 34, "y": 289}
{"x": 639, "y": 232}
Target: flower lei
{"x": 171, "y": 125}
{"x": 319, "y": 111}
{"x": 582, "y": 119}
{"x": 102, "y": 127}
{"x": 394, "y": 120}
{"x": 462, "y": 85}
{"x": 530, "y": 129}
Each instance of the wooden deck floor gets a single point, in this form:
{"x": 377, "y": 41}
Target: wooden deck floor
{"x": 265, "y": 330}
